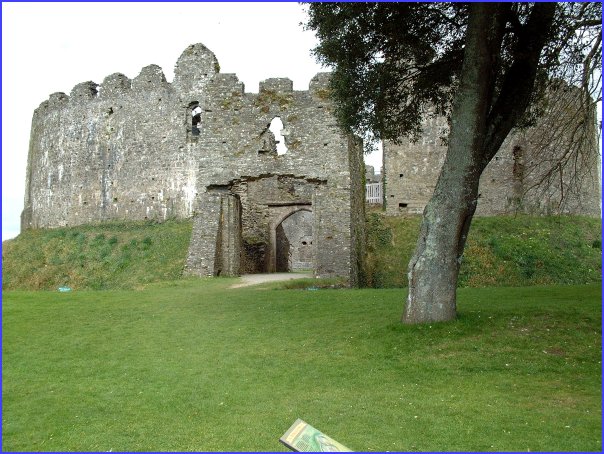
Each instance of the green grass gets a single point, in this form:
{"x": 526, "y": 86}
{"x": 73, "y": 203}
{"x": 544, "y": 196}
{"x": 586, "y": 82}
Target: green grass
{"x": 500, "y": 251}
{"x": 193, "y": 365}
{"x": 107, "y": 256}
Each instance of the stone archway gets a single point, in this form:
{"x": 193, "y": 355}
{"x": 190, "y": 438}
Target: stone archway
{"x": 292, "y": 241}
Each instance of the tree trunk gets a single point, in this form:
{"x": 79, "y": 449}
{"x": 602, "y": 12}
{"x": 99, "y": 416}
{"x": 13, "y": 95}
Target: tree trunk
{"x": 434, "y": 267}
{"x": 477, "y": 131}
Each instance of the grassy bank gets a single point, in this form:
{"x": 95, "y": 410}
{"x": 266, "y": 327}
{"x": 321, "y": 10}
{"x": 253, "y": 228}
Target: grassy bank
{"x": 500, "y": 251}
{"x": 113, "y": 255}
{"x": 512, "y": 251}
{"x": 195, "y": 366}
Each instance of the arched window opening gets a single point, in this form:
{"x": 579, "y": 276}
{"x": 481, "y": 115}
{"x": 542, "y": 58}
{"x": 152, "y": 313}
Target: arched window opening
{"x": 276, "y": 127}
{"x": 195, "y": 120}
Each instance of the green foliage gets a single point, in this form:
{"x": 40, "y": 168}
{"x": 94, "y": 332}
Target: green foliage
{"x": 502, "y": 250}
{"x": 381, "y": 236}
{"x": 366, "y": 44}
{"x": 106, "y": 256}
{"x": 394, "y": 61}
{"x": 390, "y": 243}
{"x": 192, "y": 365}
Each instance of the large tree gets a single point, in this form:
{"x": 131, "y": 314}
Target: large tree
{"x": 483, "y": 65}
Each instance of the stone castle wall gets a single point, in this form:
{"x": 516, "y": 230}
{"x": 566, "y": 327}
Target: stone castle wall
{"x": 200, "y": 147}
{"x": 550, "y": 168}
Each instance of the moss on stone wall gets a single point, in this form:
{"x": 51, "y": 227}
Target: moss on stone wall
{"x": 267, "y": 98}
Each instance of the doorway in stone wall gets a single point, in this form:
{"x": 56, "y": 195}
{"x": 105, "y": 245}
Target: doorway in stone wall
{"x": 293, "y": 245}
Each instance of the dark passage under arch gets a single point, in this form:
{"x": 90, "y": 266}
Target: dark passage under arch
{"x": 294, "y": 239}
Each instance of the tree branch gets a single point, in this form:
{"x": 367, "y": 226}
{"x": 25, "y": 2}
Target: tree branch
{"x": 519, "y": 79}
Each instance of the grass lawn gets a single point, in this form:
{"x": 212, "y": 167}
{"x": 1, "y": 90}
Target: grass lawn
{"x": 195, "y": 366}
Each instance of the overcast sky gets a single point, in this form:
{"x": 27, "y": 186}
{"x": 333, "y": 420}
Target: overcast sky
{"x": 50, "y": 47}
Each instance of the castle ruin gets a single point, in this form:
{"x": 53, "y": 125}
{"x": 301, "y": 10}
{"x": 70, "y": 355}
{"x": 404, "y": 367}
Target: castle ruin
{"x": 202, "y": 147}
{"x": 270, "y": 180}
{"x": 552, "y": 167}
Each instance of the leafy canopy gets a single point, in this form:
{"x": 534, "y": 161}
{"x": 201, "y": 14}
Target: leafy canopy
{"x": 394, "y": 63}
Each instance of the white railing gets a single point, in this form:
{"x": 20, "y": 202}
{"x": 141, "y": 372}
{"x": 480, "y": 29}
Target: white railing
{"x": 373, "y": 193}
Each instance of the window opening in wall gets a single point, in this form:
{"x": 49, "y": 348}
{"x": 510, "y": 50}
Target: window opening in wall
{"x": 402, "y": 205}
{"x": 276, "y": 127}
{"x": 400, "y": 175}
{"x": 195, "y": 120}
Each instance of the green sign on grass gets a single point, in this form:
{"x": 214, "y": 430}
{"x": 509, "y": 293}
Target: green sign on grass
{"x": 303, "y": 437}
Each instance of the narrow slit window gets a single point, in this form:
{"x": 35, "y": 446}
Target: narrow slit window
{"x": 195, "y": 120}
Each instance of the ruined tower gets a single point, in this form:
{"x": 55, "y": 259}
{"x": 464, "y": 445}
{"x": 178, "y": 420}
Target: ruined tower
{"x": 202, "y": 147}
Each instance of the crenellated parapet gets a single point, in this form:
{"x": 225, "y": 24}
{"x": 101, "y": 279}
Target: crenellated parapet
{"x": 194, "y": 68}
{"x": 58, "y": 99}
{"x": 319, "y": 85}
{"x": 151, "y": 78}
{"x": 84, "y": 91}
{"x": 114, "y": 86}
{"x": 282, "y": 84}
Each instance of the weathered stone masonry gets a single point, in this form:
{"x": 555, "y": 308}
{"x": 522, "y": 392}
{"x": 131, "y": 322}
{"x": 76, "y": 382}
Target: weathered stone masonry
{"x": 201, "y": 147}
{"x": 520, "y": 177}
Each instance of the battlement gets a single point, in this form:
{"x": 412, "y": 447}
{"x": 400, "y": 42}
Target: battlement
{"x": 84, "y": 91}
{"x": 195, "y": 69}
{"x": 114, "y": 85}
{"x": 279, "y": 85}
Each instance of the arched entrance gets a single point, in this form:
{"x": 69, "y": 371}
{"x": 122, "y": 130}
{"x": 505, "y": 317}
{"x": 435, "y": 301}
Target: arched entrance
{"x": 292, "y": 240}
